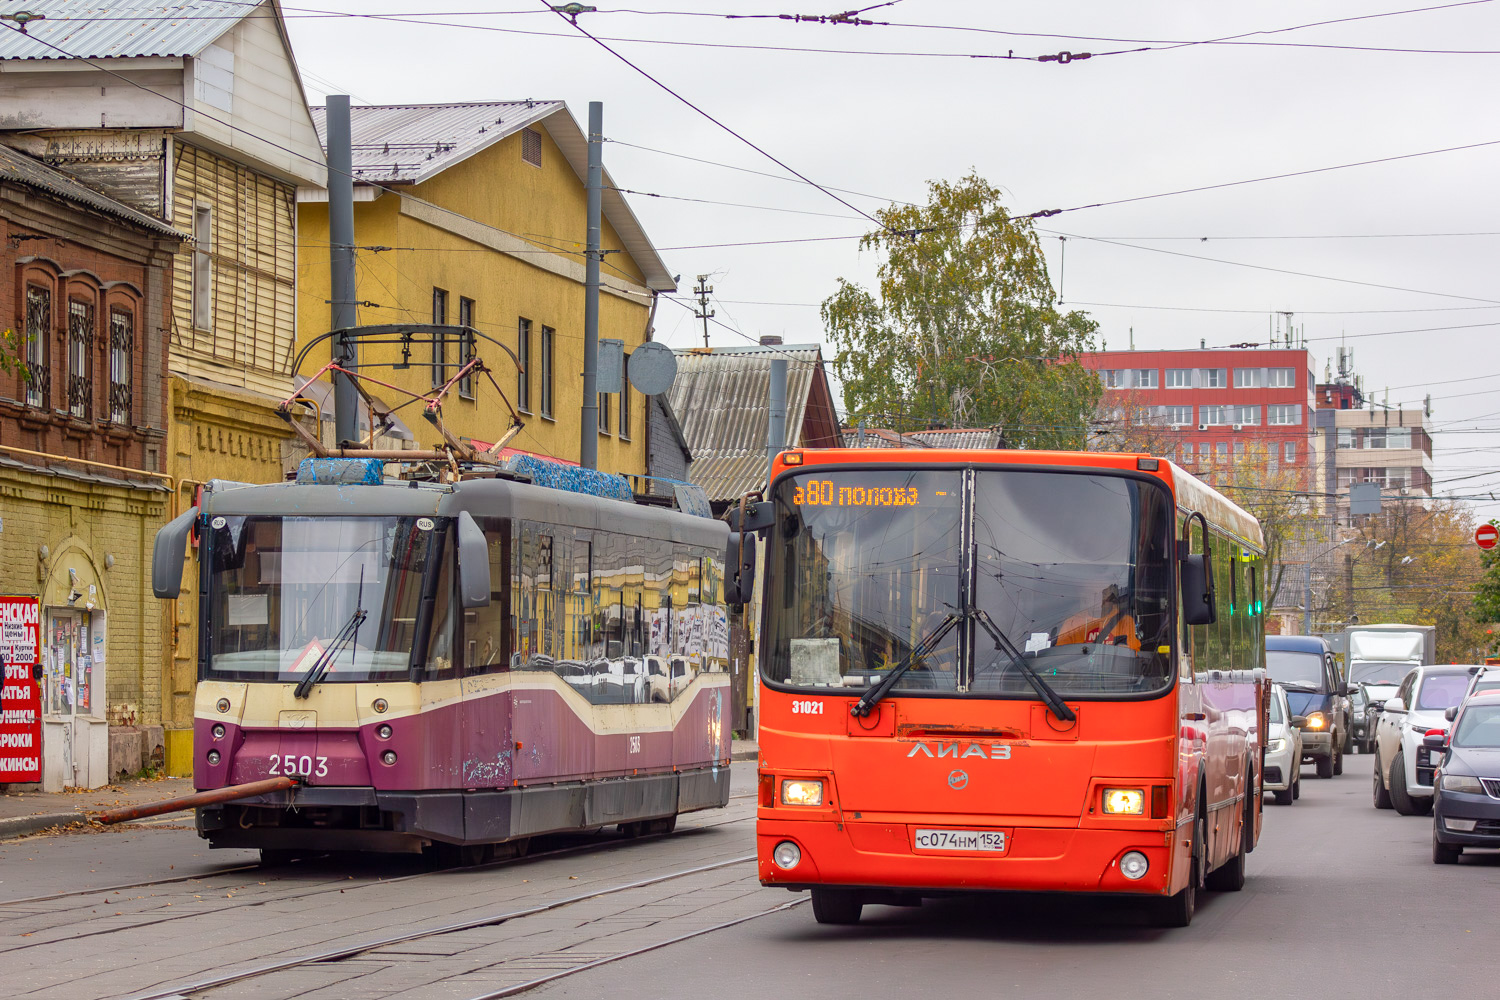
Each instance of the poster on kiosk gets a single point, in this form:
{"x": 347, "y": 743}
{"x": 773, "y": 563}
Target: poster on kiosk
{"x": 20, "y": 699}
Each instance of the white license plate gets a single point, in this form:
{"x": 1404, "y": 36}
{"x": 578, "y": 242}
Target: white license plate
{"x": 960, "y": 840}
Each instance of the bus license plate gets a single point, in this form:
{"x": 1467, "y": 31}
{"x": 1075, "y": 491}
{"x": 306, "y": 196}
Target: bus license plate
{"x": 961, "y": 840}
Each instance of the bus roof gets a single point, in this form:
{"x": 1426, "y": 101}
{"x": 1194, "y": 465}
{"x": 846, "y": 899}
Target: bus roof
{"x": 1191, "y": 493}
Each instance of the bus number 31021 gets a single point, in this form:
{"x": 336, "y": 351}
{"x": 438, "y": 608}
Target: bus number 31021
{"x": 801, "y": 707}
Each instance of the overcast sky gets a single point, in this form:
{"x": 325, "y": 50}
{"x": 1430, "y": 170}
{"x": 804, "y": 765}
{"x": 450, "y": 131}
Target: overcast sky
{"x": 1407, "y": 245}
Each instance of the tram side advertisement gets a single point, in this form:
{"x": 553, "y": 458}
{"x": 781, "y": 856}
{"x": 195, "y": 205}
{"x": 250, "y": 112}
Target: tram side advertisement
{"x": 20, "y": 698}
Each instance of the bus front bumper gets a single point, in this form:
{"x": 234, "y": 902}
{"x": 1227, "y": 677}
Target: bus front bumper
{"x": 884, "y": 855}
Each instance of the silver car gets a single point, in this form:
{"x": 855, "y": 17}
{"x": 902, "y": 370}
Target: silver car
{"x": 1283, "y": 764}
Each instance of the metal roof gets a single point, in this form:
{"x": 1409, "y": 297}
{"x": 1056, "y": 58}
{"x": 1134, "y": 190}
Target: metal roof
{"x": 100, "y": 29}
{"x": 968, "y": 439}
{"x": 411, "y": 143}
{"x": 22, "y": 169}
{"x": 721, "y": 397}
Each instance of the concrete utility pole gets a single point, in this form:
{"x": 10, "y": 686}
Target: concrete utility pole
{"x": 588, "y": 443}
{"x": 703, "y": 291}
{"x": 341, "y": 265}
{"x": 776, "y": 426}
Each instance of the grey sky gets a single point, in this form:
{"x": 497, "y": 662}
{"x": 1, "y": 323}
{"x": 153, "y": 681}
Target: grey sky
{"x": 1051, "y": 136}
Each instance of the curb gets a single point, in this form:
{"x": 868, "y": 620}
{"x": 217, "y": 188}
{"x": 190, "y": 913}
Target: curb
{"x": 20, "y": 826}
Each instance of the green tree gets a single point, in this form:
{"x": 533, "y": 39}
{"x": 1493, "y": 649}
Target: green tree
{"x": 1487, "y": 589}
{"x": 10, "y": 355}
{"x": 963, "y": 330}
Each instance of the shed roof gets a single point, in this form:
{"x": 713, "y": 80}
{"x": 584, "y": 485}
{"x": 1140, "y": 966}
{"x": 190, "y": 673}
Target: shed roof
{"x": 411, "y": 143}
{"x": 721, "y": 395}
{"x": 22, "y": 169}
{"x": 104, "y": 29}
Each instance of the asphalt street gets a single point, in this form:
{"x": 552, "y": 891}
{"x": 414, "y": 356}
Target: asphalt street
{"x": 1341, "y": 900}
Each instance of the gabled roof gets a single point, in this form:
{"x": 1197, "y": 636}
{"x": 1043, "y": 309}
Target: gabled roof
{"x": 105, "y": 29}
{"x": 722, "y": 398}
{"x": 411, "y": 143}
{"x": 22, "y": 169}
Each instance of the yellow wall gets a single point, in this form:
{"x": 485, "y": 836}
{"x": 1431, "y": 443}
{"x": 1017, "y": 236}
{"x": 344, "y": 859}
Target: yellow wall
{"x": 497, "y": 189}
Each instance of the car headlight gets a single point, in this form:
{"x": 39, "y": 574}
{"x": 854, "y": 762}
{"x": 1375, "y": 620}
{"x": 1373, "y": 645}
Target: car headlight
{"x": 1276, "y": 746}
{"x": 1317, "y": 720}
{"x": 1125, "y": 801}
{"x": 1462, "y": 783}
{"x": 802, "y": 792}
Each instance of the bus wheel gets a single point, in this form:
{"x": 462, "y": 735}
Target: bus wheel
{"x": 837, "y": 906}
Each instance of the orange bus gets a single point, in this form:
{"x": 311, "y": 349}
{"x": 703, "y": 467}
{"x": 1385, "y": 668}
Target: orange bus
{"x": 1005, "y": 670}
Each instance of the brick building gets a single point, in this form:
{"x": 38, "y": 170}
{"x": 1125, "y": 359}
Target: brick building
{"x": 82, "y": 452}
{"x": 1206, "y": 409}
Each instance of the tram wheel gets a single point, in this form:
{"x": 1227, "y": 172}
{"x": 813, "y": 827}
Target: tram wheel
{"x": 837, "y": 906}
{"x": 276, "y": 856}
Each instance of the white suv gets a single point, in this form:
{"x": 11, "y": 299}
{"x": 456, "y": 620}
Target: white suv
{"x": 1403, "y": 766}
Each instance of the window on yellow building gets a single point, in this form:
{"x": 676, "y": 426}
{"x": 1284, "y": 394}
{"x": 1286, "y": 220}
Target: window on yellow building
{"x": 466, "y": 347}
{"x": 523, "y": 376}
{"x": 625, "y": 401}
{"x": 548, "y": 336}
{"x": 439, "y": 346}
{"x": 604, "y": 404}
{"x": 203, "y": 303}
{"x": 531, "y": 146}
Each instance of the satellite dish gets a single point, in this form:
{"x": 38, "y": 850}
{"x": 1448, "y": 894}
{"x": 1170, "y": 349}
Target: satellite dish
{"x": 652, "y": 368}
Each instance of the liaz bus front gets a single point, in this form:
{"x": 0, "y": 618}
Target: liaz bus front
{"x": 970, "y": 681}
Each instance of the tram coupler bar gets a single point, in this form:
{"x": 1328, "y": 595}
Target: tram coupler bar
{"x": 213, "y": 796}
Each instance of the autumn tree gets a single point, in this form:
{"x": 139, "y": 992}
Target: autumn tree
{"x": 963, "y": 329}
{"x": 11, "y": 362}
{"x": 1278, "y": 495}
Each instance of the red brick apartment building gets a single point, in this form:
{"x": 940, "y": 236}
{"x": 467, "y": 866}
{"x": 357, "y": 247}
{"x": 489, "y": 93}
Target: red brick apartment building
{"x": 1207, "y": 408}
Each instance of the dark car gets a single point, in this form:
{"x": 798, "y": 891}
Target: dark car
{"x": 1362, "y": 712}
{"x": 1303, "y": 665}
{"x": 1466, "y": 810}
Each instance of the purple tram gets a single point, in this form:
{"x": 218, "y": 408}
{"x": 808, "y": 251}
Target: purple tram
{"x": 452, "y": 667}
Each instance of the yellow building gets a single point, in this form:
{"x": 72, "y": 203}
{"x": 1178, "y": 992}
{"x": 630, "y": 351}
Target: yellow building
{"x": 475, "y": 214}
{"x": 200, "y": 122}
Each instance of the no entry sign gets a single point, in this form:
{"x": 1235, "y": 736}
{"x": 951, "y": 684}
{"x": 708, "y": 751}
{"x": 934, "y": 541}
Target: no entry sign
{"x": 1486, "y": 535}
{"x": 20, "y": 696}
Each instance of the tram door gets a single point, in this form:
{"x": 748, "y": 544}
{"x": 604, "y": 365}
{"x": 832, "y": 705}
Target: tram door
{"x": 487, "y": 749}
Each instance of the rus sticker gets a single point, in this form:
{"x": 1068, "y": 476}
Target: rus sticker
{"x": 424, "y": 523}
{"x": 218, "y": 523}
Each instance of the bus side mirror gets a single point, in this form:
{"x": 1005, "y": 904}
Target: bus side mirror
{"x": 1198, "y": 591}
{"x": 739, "y": 561}
{"x": 473, "y": 564}
{"x": 168, "y": 553}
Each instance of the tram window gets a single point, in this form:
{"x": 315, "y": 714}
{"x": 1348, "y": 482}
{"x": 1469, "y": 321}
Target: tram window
{"x": 486, "y": 629}
{"x": 656, "y": 587}
{"x": 581, "y": 597}
{"x": 441, "y": 653}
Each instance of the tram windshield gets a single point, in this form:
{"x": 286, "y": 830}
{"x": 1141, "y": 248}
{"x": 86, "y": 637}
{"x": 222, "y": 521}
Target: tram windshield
{"x": 283, "y": 590}
{"x": 1072, "y": 569}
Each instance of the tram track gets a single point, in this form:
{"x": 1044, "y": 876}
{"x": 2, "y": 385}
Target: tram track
{"x": 483, "y": 866}
{"x": 340, "y": 886}
{"x": 178, "y": 989}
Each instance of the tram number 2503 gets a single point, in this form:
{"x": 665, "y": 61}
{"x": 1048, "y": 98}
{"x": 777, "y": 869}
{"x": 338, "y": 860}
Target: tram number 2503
{"x": 304, "y": 766}
{"x": 802, "y": 707}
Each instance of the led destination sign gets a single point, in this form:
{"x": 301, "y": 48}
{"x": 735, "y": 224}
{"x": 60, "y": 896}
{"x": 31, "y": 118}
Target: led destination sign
{"x": 827, "y": 493}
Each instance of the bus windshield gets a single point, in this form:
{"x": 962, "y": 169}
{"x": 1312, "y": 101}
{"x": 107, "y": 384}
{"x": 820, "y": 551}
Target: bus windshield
{"x": 283, "y": 588}
{"x": 1071, "y": 569}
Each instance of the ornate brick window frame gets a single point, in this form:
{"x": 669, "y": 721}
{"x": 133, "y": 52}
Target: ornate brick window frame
{"x": 121, "y": 351}
{"x": 39, "y": 287}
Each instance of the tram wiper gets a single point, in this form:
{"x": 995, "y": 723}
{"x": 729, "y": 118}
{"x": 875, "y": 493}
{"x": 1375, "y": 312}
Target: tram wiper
{"x": 1052, "y": 698}
{"x": 928, "y": 643}
{"x": 348, "y": 633}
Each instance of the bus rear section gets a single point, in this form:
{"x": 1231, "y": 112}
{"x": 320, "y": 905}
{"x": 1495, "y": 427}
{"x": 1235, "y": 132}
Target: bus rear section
{"x": 978, "y": 674}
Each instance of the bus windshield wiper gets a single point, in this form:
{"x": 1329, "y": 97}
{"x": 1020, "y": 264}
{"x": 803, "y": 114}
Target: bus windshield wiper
{"x": 1052, "y": 698}
{"x": 348, "y": 633}
{"x": 927, "y": 644}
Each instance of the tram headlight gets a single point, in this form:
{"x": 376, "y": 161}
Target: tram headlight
{"x": 380, "y": 706}
{"x": 787, "y": 855}
{"x": 1125, "y": 801}
{"x": 383, "y": 731}
{"x": 802, "y": 792}
{"x": 1133, "y": 865}
{"x": 213, "y": 756}
{"x": 218, "y": 731}
{"x": 389, "y": 757}
{"x": 222, "y": 705}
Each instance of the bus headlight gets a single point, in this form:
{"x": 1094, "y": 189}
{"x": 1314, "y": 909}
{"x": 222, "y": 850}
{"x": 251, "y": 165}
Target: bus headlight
{"x": 1125, "y": 801}
{"x": 787, "y": 855}
{"x": 802, "y": 792}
